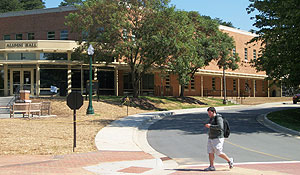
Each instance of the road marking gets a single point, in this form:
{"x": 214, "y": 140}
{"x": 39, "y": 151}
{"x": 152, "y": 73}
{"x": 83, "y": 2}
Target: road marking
{"x": 259, "y": 152}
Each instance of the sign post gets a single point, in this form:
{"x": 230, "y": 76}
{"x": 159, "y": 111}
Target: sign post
{"x": 74, "y": 101}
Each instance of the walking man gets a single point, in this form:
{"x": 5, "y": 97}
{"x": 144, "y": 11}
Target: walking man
{"x": 216, "y": 139}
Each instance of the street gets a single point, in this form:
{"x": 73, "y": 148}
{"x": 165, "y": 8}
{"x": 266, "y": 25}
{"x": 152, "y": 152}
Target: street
{"x": 184, "y": 137}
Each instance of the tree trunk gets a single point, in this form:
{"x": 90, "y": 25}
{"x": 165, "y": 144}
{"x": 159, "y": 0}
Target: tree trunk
{"x": 181, "y": 91}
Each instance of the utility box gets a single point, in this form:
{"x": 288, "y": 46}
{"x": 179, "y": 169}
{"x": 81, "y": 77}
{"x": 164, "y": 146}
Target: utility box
{"x": 24, "y": 95}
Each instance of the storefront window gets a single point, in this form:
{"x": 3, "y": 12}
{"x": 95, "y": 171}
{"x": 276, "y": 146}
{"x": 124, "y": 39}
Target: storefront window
{"x": 53, "y": 56}
{"x": 53, "y": 77}
{"x": 21, "y": 56}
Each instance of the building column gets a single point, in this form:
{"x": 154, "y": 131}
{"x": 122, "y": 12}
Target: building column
{"x": 202, "y": 86}
{"x": 95, "y": 73}
{"x": 239, "y": 88}
{"x": 69, "y": 79}
{"x": 116, "y": 81}
{"x": 38, "y": 81}
{"x": 32, "y": 82}
{"x": 254, "y": 85}
{"x": 5, "y": 66}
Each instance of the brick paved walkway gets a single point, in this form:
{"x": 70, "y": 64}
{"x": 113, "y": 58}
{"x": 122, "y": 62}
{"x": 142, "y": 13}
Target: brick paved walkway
{"x": 65, "y": 164}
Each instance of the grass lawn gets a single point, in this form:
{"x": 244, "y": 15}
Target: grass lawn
{"x": 287, "y": 118}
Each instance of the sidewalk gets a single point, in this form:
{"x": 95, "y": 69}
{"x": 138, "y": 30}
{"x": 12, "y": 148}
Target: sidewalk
{"x": 123, "y": 150}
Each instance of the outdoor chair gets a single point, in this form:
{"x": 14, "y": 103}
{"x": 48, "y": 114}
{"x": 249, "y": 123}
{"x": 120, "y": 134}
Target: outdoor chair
{"x": 46, "y": 107}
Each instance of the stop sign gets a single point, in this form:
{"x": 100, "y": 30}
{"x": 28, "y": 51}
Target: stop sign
{"x": 75, "y": 100}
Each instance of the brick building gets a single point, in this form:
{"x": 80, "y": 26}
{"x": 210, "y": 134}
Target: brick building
{"x": 36, "y": 49}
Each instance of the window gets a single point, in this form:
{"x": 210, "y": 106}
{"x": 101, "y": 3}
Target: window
{"x": 19, "y": 36}
{"x": 51, "y": 36}
{"x": 2, "y": 56}
{"x": 21, "y": 56}
{"x": 247, "y": 88}
{"x": 54, "y": 56}
{"x": 213, "y": 83}
{"x": 30, "y": 36}
{"x": 127, "y": 81}
{"x": 255, "y": 85}
{"x": 263, "y": 86}
{"x": 168, "y": 81}
{"x": 254, "y": 54}
{"x": 193, "y": 83}
{"x": 6, "y": 37}
{"x": 234, "y": 85}
{"x": 64, "y": 35}
{"x": 246, "y": 54}
{"x": 148, "y": 81}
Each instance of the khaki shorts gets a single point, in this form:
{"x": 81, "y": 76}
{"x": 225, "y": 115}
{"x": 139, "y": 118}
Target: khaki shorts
{"x": 215, "y": 146}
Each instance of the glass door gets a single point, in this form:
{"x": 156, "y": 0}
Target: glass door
{"x": 16, "y": 82}
{"x": 27, "y": 80}
{"x": 21, "y": 79}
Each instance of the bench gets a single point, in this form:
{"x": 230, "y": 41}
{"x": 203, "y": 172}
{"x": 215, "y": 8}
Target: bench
{"x": 25, "y": 109}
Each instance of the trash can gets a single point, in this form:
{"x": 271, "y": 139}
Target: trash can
{"x": 24, "y": 95}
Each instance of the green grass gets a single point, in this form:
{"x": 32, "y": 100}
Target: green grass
{"x": 169, "y": 103}
{"x": 287, "y": 118}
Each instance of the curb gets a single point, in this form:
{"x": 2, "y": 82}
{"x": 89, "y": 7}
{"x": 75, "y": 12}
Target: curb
{"x": 262, "y": 119}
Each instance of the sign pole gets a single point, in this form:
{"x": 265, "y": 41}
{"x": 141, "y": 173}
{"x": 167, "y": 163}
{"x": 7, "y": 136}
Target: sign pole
{"x": 74, "y": 124}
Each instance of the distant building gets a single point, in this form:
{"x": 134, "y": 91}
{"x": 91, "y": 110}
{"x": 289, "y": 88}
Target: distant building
{"x": 35, "y": 54}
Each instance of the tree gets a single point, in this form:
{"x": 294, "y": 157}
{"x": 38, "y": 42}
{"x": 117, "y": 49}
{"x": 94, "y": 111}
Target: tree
{"x": 278, "y": 22}
{"x": 71, "y": 2}
{"x": 198, "y": 42}
{"x": 18, "y": 5}
{"x": 132, "y": 32}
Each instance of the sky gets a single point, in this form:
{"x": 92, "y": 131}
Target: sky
{"x": 233, "y": 11}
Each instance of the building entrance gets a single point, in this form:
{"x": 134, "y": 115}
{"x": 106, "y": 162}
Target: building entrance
{"x": 21, "y": 79}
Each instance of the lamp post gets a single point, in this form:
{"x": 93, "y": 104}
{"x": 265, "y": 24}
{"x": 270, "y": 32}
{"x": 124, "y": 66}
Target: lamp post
{"x": 90, "y": 110}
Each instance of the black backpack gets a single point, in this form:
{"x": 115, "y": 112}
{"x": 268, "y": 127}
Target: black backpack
{"x": 226, "y": 126}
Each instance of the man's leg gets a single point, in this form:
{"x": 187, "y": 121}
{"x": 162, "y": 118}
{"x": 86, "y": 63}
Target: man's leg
{"x": 211, "y": 159}
{"x": 224, "y": 156}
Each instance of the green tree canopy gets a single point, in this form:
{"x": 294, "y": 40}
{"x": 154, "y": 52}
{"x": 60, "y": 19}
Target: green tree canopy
{"x": 18, "y": 5}
{"x": 278, "y": 22}
{"x": 198, "y": 42}
{"x": 133, "y": 32}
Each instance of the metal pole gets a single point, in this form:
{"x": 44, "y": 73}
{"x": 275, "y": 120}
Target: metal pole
{"x": 224, "y": 88}
{"x": 74, "y": 125}
{"x": 90, "y": 110}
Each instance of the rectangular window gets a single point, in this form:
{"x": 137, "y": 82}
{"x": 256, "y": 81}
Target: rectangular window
{"x": 30, "y": 36}
{"x": 263, "y": 86}
{"x": 51, "y": 36}
{"x": 21, "y": 56}
{"x": 254, "y": 54}
{"x": 168, "y": 81}
{"x": 6, "y": 37}
{"x": 234, "y": 85}
{"x": 148, "y": 81}
{"x": 19, "y": 36}
{"x": 213, "y": 83}
{"x": 53, "y": 56}
{"x": 1, "y": 56}
{"x": 246, "y": 54}
{"x": 193, "y": 83}
{"x": 64, "y": 35}
{"x": 255, "y": 85}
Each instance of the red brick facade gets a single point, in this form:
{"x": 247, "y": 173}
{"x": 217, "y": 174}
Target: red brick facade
{"x": 207, "y": 81}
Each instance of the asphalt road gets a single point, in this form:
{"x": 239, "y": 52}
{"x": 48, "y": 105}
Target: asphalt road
{"x": 184, "y": 137}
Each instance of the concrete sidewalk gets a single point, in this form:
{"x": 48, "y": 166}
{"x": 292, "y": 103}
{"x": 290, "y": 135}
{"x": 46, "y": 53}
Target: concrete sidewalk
{"x": 123, "y": 150}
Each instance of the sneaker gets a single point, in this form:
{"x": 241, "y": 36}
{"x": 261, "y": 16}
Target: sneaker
{"x": 210, "y": 168}
{"x": 230, "y": 163}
